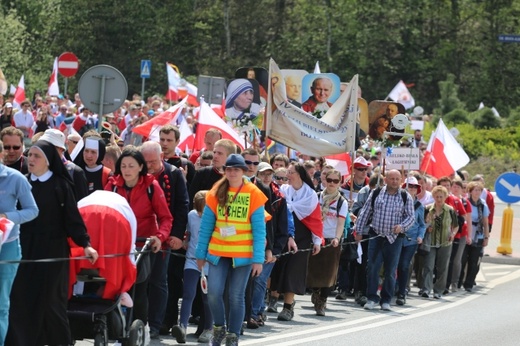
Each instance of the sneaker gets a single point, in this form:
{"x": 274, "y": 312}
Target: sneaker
{"x": 315, "y": 296}
{"x": 369, "y": 305}
{"x": 446, "y": 292}
{"x": 401, "y": 299}
{"x": 362, "y": 300}
{"x": 421, "y": 291}
{"x": 454, "y": 288}
{"x": 437, "y": 295}
{"x": 272, "y": 306}
{"x": 179, "y": 333}
{"x": 231, "y": 339}
{"x": 205, "y": 337}
{"x": 425, "y": 294}
{"x": 218, "y": 335}
{"x": 385, "y": 307}
{"x": 287, "y": 314}
{"x": 342, "y": 295}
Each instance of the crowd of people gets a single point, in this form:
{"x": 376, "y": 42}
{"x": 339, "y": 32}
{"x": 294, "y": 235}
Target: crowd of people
{"x": 260, "y": 229}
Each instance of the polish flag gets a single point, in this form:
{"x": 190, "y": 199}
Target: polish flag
{"x": 150, "y": 129}
{"x": 192, "y": 94}
{"x": 174, "y": 82}
{"x": 53, "y": 88}
{"x": 401, "y": 94}
{"x": 19, "y": 95}
{"x": 6, "y": 226}
{"x": 340, "y": 162}
{"x": 208, "y": 119}
{"x": 187, "y": 139}
{"x": 444, "y": 155}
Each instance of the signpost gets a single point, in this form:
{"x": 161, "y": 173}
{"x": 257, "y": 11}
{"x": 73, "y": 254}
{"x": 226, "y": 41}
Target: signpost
{"x": 146, "y": 72}
{"x": 68, "y": 65}
{"x": 211, "y": 88}
{"x": 507, "y": 187}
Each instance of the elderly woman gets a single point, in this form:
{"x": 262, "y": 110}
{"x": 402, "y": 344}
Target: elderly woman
{"x": 478, "y": 233}
{"x": 232, "y": 239}
{"x": 414, "y": 237}
{"x": 15, "y": 188}
{"x": 154, "y": 221}
{"x": 290, "y": 273}
{"x": 323, "y": 268}
{"x": 38, "y": 314}
{"x": 442, "y": 225}
{"x": 239, "y": 99}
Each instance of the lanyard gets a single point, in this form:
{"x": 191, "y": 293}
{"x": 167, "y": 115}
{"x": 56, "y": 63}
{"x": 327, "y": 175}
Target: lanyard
{"x": 232, "y": 200}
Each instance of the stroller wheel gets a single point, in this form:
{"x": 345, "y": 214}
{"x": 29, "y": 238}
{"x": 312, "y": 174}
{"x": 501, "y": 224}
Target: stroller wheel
{"x": 136, "y": 335}
{"x": 101, "y": 339}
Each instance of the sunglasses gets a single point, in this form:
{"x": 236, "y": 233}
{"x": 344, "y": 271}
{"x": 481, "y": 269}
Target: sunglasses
{"x": 14, "y": 147}
{"x": 280, "y": 178}
{"x": 330, "y": 180}
{"x": 361, "y": 169}
{"x": 256, "y": 163}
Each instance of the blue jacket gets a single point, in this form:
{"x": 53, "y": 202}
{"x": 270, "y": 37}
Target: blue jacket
{"x": 418, "y": 228}
{"x": 14, "y": 187}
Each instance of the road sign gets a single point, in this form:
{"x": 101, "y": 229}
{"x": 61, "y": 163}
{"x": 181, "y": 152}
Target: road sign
{"x": 509, "y": 38}
{"x": 102, "y": 88}
{"x": 146, "y": 68}
{"x": 68, "y": 64}
{"x": 507, "y": 187}
{"x": 211, "y": 88}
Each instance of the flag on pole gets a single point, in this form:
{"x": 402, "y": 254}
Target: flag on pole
{"x": 12, "y": 90}
{"x": 317, "y": 68}
{"x": 53, "y": 88}
{"x": 208, "y": 119}
{"x": 19, "y": 95}
{"x": 192, "y": 94}
{"x": 444, "y": 155}
{"x": 187, "y": 138}
{"x": 150, "y": 129}
{"x": 401, "y": 94}
{"x": 3, "y": 83}
{"x": 174, "y": 81}
{"x": 340, "y": 162}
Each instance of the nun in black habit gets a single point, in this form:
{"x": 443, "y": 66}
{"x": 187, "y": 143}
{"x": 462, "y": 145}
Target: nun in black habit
{"x": 38, "y": 311}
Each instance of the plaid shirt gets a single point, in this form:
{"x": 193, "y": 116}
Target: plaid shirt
{"x": 388, "y": 212}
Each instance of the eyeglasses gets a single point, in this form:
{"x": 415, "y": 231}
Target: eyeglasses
{"x": 361, "y": 169}
{"x": 256, "y": 163}
{"x": 330, "y": 180}
{"x": 291, "y": 172}
{"x": 280, "y": 178}
{"x": 14, "y": 147}
{"x": 265, "y": 174}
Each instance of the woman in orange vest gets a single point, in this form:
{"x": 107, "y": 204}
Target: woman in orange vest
{"x": 232, "y": 240}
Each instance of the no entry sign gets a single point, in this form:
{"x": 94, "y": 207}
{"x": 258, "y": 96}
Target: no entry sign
{"x": 68, "y": 64}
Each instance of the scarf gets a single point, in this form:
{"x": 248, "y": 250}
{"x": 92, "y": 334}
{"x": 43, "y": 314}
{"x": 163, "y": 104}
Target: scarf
{"x": 328, "y": 199}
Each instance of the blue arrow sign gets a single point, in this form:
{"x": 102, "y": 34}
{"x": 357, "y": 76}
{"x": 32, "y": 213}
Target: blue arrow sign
{"x": 507, "y": 187}
{"x": 146, "y": 68}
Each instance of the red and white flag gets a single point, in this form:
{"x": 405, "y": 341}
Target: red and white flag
{"x": 401, "y": 94}
{"x": 19, "y": 95}
{"x": 208, "y": 119}
{"x": 6, "y": 226}
{"x": 444, "y": 155}
{"x": 12, "y": 90}
{"x": 187, "y": 139}
{"x": 174, "y": 82}
{"x": 340, "y": 162}
{"x": 150, "y": 129}
{"x": 192, "y": 94}
{"x": 53, "y": 88}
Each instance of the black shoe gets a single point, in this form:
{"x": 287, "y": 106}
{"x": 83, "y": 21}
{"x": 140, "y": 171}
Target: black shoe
{"x": 401, "y": 299}
{"x": 194, "y": 320}
{"x": 154, "y": 334}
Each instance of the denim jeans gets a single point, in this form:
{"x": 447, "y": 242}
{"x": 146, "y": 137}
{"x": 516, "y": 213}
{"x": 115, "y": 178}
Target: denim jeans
{"x": 191, "y": 280}
{"x": 403, "y": 268}
{"x": 10, "y": 251}
{"x": 221, "y": 275}
{"x": 259, "y": 289}
{"x": 382, "y": 253}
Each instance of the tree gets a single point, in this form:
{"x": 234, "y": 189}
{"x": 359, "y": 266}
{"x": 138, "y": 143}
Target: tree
{"x": 485, "y": 119}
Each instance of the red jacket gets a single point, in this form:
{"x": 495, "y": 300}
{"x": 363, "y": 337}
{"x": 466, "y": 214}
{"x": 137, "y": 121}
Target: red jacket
{"x": 153, "y": 217}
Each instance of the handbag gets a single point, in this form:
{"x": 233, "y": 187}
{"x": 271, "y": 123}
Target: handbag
{"x": 424, "y": 248}
{"x": 349, "y": 249}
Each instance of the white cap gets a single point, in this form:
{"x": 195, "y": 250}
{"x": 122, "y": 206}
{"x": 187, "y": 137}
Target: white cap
{"x": 55, "y": 137}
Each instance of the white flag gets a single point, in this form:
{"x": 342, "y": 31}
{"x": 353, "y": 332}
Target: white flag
{"x": 317, "y": 68}
{"x": 401, "y": 94}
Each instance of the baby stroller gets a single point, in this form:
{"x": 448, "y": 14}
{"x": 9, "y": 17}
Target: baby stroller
{"x": 95, "y": 309}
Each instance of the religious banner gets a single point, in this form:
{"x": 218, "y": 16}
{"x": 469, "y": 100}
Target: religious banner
{"x": 333, "y": 133}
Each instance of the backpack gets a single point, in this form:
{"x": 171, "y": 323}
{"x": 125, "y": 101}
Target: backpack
{"x": 460, "y": 219}
{"x": 149, "y": 191}
{"x": 377, "y": 190}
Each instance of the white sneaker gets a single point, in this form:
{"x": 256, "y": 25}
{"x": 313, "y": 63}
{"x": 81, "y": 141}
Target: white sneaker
{"x": 205, "y": 337}
{"x": 386, "y": 307}
{"x": 369, "y": 305}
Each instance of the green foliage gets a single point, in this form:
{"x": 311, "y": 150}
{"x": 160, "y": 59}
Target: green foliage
{"x": 485, "y": 119}
{"x": 457, "y": 116}
{"x": 449, "y": 100}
